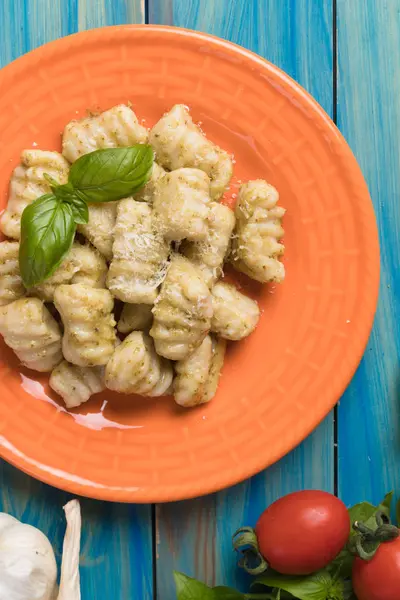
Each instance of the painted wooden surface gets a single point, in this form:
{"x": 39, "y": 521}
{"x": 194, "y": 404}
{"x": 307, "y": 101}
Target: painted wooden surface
{"x": 369, "y": 117}
{"x": 298, "y": 36}
{"x": 117, "y": 539}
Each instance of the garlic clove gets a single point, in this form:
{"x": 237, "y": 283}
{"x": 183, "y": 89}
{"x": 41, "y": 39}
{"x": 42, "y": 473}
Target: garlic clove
{"x": 70, "y": 581}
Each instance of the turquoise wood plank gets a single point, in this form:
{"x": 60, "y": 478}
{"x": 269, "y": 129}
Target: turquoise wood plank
{"x": 116, "y": 559}
{"x": 369, "y": 117}
{"x": 195, "y": 536}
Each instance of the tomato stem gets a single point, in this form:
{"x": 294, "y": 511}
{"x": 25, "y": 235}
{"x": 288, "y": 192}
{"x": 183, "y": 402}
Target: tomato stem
{"x": 367, "y": 541}
{"x": 245, "y": 542}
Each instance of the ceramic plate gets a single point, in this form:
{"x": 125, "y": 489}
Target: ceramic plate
{"x": 279, "y": 383}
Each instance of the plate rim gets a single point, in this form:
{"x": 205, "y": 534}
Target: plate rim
{"x": 181, "y": 491}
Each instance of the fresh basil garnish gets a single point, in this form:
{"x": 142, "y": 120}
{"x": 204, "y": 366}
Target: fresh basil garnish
{"x": 48, "y": 224}
{"x": 112, "y": 173}
{"x": 47, "y": 233}
{"x": 80, "y": 210}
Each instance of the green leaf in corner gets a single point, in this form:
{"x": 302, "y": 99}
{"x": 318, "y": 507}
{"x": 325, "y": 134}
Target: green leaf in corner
{"x": 111, "y": 173}
{"x": 188, "y": 588}
{"x": 47, "y": 233}
{"x": 318, "y": 586}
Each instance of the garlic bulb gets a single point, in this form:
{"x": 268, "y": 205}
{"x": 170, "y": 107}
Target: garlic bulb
{"x": 28, "y": 569}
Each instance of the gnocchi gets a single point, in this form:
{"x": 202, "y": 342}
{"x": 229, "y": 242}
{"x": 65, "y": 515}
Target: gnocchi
{"x": 30, "y": 330}
{"x": 178, "y": 142}
{"x": 256, "y": 246}
{"x": 112, "y": 128}
{"x": 11, "y": 286}
{"x": 99, "y": 230}
{"x": 235, "y": 315}
{"x": 209, "y": 255}
{"x": 181, "y": 205}
{"x": 182, "y": 312}
{"x": 140, "y": 254}
{"x": 134, "y": 317}
{"x": 28, "y": 183}
{"x": 83, "y": 264}
{"x": 135, "y": 368}
{"x": 162, "y": 252}
{"x": 89, "y": 336}
{"x": 197, "y": 376}
{"x": 75, "y": 384}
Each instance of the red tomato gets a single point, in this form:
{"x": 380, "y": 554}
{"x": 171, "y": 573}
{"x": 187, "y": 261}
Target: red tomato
{"x": 303, "y": 532}
{"x": 379, "y": 578}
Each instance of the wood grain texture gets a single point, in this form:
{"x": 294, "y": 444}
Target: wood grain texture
{"x": 369, "y": 117}
{"x": 116, "y": 561}
{"x": 195, "y": 536}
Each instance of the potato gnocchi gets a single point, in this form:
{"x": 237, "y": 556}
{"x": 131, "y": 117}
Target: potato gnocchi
{"x": 89, "y": 336}
{"x": 75, "y": 384}
{"x": 140, "y": 254}
{"x": 30, "y": 330}
{"x": 11, "y": 286}
{"x": 181, "y": 205}
{"x": 256, "y": 246}
{"x": 179, "y": 142}
{"x": 182, "y": 312}
{"x": 135, "y": 368}
{"x": 135, "y": 317}
{"x": 83, "y": 264}
{"x": 162, "y": 252}
{"x": 28, "y": 183}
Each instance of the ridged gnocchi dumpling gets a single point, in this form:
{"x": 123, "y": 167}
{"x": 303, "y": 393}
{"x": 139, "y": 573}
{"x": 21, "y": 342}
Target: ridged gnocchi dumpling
{"x": 112, "y": 128}
{"x": 83, "y": 264}
{"x": 181, "y": 204}
{"x": 178, "y": 142}
{"x": 135, "y": 317}
{"x": 209, "y": 255}
{"x": 192, "y": 374}
{"x": 89, "y": 335}
{"x": 197, "y": 376}
{"x": 75, "y": 384}
{"x": 140, "y": 254}
{"x": 11, "y": 286}
{"x": 235, "y": 315}
{"x": 30, "y": 330}
{"x": 27, "y": 183}
{"x": 99, "y": 229}
{"x": 146, "y": 194}
{"x": 135, "y": 368}
{"x": 256, "y": 246}
{"x": 182, "y": 312}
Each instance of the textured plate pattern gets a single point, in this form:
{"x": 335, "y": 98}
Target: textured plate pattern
{"x": 279, "y": 383}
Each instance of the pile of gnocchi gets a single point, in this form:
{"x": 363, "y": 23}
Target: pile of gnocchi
{"x": 161, "y": 253}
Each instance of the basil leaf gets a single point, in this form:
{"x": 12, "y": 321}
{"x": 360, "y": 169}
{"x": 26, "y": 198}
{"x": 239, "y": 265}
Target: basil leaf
{"x": 47, "y": 233}
{"x": 112, "y": 173}
{"x": 398, "y": 513}
{"x": 225, "y": 593}
{"x": 191, "y": 589}
{"x": 80, "y": 210}
{"x": 318, "y": 586}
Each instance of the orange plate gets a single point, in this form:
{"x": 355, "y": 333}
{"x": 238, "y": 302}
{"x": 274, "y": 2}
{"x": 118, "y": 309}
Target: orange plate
{"x": 279, "y": 383}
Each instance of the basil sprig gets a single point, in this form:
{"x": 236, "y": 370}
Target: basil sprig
{"x": 48, "y": 225}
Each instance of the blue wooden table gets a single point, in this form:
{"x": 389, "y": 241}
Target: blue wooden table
{"x": 346, "y": 54}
